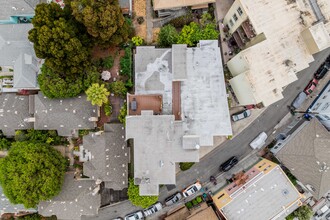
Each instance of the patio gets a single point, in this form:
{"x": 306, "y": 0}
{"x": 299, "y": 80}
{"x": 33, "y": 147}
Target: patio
{"x": 138, "y": 103}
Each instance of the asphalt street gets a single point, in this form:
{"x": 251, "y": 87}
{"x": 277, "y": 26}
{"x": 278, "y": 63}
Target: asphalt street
{"x": 239, "y": 146}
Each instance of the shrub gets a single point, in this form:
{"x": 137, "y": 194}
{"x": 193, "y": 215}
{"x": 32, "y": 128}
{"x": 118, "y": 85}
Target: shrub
{"x": 189, "y": 205}
{"x": 108, "y": 62}
{"x": 167, "y": 36}
{"x": 4, "y": 144}
{"x": 186, "y": 165}
{"x": 118, "y": 88}
{"x": 136, "y": 199}
{"x": 194, "y": 202}
{"x": 199, "y": 199}
{"x": 122, "y": 114}
{"x": 83, "y": 133}
{"x": 126, "y": 63}
{"x": 181, "y": 21}
{"x": 108, "y": 109}
{"x": 137, "y": 40}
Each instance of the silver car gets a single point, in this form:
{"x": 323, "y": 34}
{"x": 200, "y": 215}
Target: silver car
{"x": 152, "y": 209}
{"x": 134, "y": 216}
{"x": 241, "y": 115}
{"x": 173, "y": 199}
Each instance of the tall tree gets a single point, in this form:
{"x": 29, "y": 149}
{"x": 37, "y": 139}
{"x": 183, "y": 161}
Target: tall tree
{"x": 59, "y": 39}
{"x": 32, "y": 172}
{"x": 97, "y": 94}
{"x": 54, "y": 85}
{"x": 103, "y": 20}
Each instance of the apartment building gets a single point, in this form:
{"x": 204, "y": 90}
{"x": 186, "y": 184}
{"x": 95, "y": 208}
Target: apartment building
{"x": 276, "y": 39}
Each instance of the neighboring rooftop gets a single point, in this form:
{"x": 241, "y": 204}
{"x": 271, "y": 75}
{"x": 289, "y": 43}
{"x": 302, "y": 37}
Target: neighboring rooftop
{"x": 17, "y": 52}
{"x": 13, "y": 110}
{"x": 7, "y": 207}
{"x": 307, "y": 156}
{"x": 276, "y": 51}
{"x": 64, "y": 115}
{"x": 192, "y": 81}
{"x": 77, "y": 198}
{"x": 157, "y": 147}
{"x": 266, "y": 193}
{"x": 202, "y": 211}
{"x": 16, "y": 8}
{"x": 172, "y": 4}
{"x": 109, "y": 156}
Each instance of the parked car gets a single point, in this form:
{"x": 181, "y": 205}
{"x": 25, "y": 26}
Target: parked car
{"x": 230, "y": 163}
{"x": 134, "y": 216}
{"x": 299, "y": 100}
{"x": 173, "y": 199}
{"x": 241, "y": 115}
{"x": 192, "y": 189}
{"x": 311, "y": 86}
{"x": 324, "y": 68}
{"x": 152, "y": 209}
{"x": 259, "y": 141}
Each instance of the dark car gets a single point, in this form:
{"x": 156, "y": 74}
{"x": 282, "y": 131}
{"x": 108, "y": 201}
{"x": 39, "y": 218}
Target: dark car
{"x": 241, "y": 115}
{"x": 324, "y": 68}
{"x": 230, "y": 163}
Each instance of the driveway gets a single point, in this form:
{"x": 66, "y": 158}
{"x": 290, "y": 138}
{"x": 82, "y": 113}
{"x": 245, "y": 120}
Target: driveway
{"x": 239, "y": 146}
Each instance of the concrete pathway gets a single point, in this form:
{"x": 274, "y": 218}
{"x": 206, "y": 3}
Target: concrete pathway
{"x": 149, "y": 19}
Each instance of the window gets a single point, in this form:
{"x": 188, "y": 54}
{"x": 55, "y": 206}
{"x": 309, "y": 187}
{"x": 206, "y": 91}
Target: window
{"x": 325, "y": 106}
{"x": 239, "y": 10}
{"x": 235, "y": 17}
{"x": 231, "y": 22}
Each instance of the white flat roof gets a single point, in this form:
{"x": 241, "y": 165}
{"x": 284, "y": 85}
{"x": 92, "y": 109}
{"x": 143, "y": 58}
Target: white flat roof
{"x": 266, "y": 197}
{"x": 204, "y": 99}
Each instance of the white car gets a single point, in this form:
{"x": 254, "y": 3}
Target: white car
{"x": 134, "y": 216}
{"x": 259, "y": 141}
{"x": 192, "y": 189}
{"x": 152, "y": 209}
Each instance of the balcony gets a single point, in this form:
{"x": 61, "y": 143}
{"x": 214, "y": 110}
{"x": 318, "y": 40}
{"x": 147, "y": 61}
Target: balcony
{"x": 248, "y": 29}
{"x": 238, "y": 40}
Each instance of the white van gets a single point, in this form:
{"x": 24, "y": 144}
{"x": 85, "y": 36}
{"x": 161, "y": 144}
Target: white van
{"x": 259, "y": 141}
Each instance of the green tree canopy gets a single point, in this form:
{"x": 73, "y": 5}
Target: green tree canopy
{"x": 302, "y": 213}
{"x": 55, "y": 85}
{"x": 4, "y": 144}
{"x": 136, "y": 199}
{"x": 97, "y": 94}
{"x": 59, "y": 40}
{"x": 118, "y": 88}
{"x": 32, "y": 172}
{"x": 191, "y": 34}
{"x": 167, "y": 36}
{"x": 103, "y": 19}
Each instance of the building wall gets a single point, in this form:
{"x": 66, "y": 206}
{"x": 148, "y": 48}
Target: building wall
{"x": 236, "y": 11}
{"x": 238, "y": 64}
{"x": 321, "y": 106}
{"x": 310, "y": 42}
